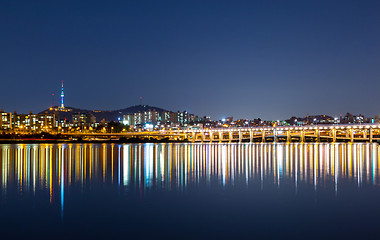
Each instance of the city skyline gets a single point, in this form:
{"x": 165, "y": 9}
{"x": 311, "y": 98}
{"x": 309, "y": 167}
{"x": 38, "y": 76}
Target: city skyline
{"x": 271, "y": 60}
{"x": 78, "y": 108}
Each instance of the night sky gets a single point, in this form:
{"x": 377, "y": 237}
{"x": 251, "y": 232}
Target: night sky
{"x": 247, "y": 59}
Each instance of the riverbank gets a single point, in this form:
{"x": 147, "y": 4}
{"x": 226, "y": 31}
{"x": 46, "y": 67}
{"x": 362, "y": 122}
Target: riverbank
{"x": 50, "y": 138}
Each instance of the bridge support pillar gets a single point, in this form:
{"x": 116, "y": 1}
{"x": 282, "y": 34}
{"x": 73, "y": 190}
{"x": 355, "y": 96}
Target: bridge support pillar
{"x": 230, "y": 134}
{"x": 318, "y": 135}
{"x": 370, "y": 135}
{"x": 240, "y": 136}
{"x": 302, "y": 135}
{"x": 351, "y": 135}
{"x": 288, "y": 138}
{"x": 193, "y": 135}
{"x": 250, "y": 136}
{"x": 203, "y": 136}
{"x": 220, "y": 136}
{"x": 262, "y": 135}
{"x": 274, "y": 135}
{"x": 334, "y": 134}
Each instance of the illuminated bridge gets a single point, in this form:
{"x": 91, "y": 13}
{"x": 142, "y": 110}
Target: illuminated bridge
{"x": 314, "y": 133}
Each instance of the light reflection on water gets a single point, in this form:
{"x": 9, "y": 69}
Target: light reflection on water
{"x": 252, "y": 183}
{"x": 175, "y": 166}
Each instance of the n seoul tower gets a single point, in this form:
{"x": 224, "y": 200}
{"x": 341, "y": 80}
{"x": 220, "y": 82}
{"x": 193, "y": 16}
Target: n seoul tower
{"x": 62, "y": 97}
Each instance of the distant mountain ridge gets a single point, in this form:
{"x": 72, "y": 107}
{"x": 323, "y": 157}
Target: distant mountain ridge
{"x": 140, "y": 108}
{"x": 107, "y": 115}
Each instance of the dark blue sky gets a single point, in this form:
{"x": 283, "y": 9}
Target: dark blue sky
{"x": 247, "y": 59}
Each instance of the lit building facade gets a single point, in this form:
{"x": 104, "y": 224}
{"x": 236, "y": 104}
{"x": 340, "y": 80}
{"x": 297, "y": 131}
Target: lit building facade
{"x": 35, "y": 122}
{"x": 29, "y": 122}
{"x": 152, "y": 117}
{"x": 137, "y": 118}
{"x": 158, "y": 120}
{"x": 128, "y": 119}
{"x": 183, "y": 118}
{"x": 5, "y": 120}
{"x": 83, "y": 119}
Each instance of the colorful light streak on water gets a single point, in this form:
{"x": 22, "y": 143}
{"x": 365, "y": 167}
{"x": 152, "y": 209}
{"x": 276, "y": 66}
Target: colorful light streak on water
{"x": 152, "y": 165}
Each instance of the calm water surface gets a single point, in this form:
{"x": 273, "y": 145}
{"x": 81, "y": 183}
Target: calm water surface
{"x": 190, "y": 190}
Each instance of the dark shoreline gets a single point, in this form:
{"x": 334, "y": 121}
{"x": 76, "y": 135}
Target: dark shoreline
{"x": 42, "y": 138}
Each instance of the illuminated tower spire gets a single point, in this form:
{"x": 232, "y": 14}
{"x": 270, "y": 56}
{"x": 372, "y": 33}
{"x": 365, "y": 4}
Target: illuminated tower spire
{"x": 62, "y": 97}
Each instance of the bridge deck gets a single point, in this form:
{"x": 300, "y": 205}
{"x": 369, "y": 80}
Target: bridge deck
{"x": 362, "y": 132}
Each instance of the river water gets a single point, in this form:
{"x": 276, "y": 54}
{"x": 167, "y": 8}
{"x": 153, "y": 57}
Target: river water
{"x": 185, "y": 190}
